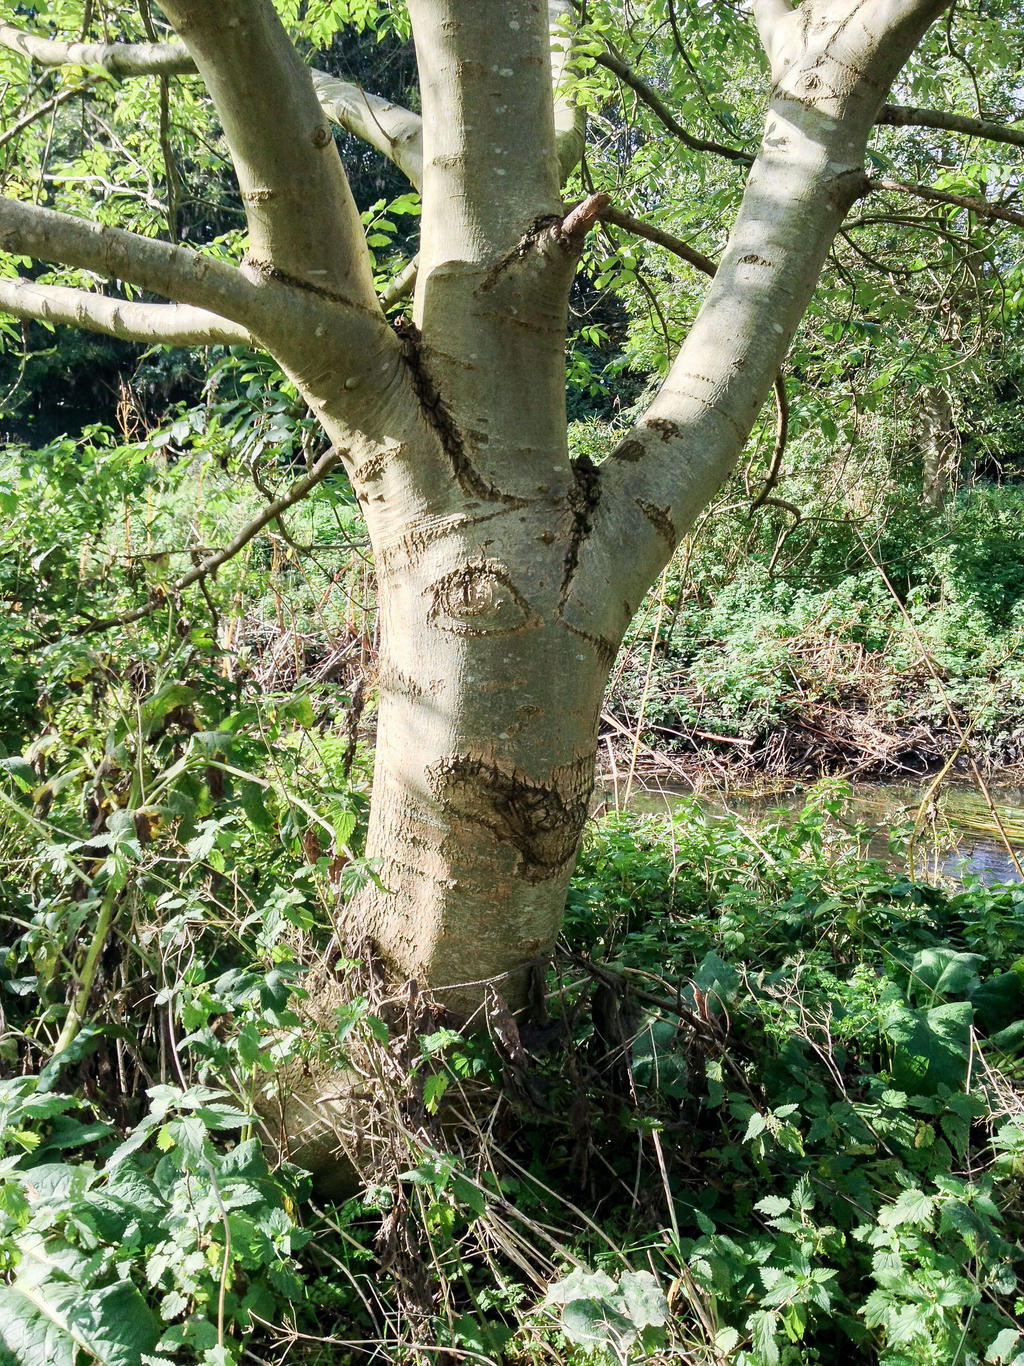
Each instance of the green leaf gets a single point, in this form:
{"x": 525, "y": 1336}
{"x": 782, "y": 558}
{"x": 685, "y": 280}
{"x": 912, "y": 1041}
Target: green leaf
{"x": 434, "y": 1087}
{"x": 763, "y": 1327}
{"x": 912, "y": 1207}
{"x": 1004, "y": 1346}
{"x": 49, "y": 1323}
{"x": 21, "y": 771}
{"x": 466, "y": 1193}
{"x": 717, "y": 980}
{"x": 999, "y": 1002}
{"x": 931, "y": 1047}
{"x": 643, "y": 1299}
{"x": 772, "y": 1205}
{"x": 943, "y": 973}
{"x": 756, "y": 1125}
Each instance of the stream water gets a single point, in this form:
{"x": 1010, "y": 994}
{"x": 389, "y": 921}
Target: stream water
{"x": 958, "y": 836}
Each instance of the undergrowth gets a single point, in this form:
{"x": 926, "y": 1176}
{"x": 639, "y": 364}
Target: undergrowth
{"x": 768, "y": 1111}
{"x": 765, "y": 1110}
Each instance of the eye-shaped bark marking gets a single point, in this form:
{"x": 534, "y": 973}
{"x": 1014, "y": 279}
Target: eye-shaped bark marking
{"x": 540, "y": 821}
{"x": 479, "y": 599}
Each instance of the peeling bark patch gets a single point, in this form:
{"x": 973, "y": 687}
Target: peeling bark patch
{"x": 659, "y": 519}
{"x": 479, "y": 599}
{"x": 540, "y": 821}
{"x": 667, "y": 430}
{"x": 392, "y": 680}
{"x": 754, "y": 260}
{"x": 583, "y": 499}
{"x": 629, "y": 450}
{"x": 467, "y": 476}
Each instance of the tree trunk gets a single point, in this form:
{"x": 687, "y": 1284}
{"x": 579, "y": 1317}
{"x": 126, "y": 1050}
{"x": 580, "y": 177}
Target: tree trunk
{"x": 485, "y": 762}
{"x": 940, "y": 448}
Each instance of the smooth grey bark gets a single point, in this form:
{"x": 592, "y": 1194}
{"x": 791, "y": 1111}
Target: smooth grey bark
{"x": 507, "y": 573}
{"x": 167, "y": 324}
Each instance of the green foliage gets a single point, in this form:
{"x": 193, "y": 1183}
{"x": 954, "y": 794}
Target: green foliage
{"x": 161, "y": 1248}
{"x": 841, "y": 1071}
{"x": 610, "y": 1319}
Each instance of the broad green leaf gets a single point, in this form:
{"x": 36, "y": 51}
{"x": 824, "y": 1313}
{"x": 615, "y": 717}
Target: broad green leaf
{"x": 937, "y": 974}
{"x": 643, "y": 1299}
{"x": 48, "y": 1324}
{"x": 930, "y": 1047}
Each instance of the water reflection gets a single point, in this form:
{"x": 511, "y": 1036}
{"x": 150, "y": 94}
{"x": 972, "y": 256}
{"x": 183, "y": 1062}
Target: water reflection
{"x": 957, "y": 833}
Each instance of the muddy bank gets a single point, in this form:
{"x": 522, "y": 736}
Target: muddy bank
{"x": 815, "y": 738}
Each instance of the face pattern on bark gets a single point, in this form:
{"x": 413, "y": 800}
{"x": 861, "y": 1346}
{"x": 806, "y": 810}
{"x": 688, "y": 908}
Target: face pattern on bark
{"x": 540, "y": 821}
{"x": 479, "y": 599}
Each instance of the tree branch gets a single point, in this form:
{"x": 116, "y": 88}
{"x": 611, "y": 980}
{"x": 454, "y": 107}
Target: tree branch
{"x": 119, "y": 59}
{"x": 983, "y": 207}
{"x": 40, "y": 111}
{"x": 649, "y": 96}
{"x": 303, "y": 223}
{"x": 394, "y": 131}
{"x": 570, "y": 118}
{"x": 910, "y": 116}
{"x": 175, "y": 272}
{"x": 401, "y": 286}
{"x": 661, "y": 238}
{"x": 159, "y": 324}
{"x": 808, "y": 172}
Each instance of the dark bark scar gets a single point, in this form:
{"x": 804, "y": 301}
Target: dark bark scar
{"x": 540, "y": 821}
{"x": 666, "y": 429}
{"x": 468, "y": 478}
{"x": 659, "y": 519}
{"x": 583, "y": 499}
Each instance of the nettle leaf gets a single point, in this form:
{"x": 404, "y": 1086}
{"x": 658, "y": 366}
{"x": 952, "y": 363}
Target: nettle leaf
{"x": 49, "y": 1324}
{"x": 434, "y": 1087}
{"x": 772, "y": 1206}
{"x": 20, "y": 771}
{"x": 764, "y": 1326}
{"x": 912, "y": 1207}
